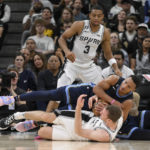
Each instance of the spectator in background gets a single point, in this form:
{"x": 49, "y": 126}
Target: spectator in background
{"x": 77, "y": 6}
{"x": 117, "y": 23}
{"x": 129, "y": 35}
{"x": 39, "y": 63}
{"x": 142, "y": 32}
{"x": 59, "y": 8}
{"x": 44, "y": 44}
{"x": 141, "y": 58}
{"x": 116, "y": 8}
{"x": 5, "y": 13}
{"x": 49, "y": 23}
{"x": 128, "y": 7}
{"x": 26, "y": 54}
{"x": 13, "y": 90}
{"x": 126, "y": 71}
{"x": 26, "y": 78}
{"x": 29, "y": 19}
{"x": 47, "y": 79}
{"x": 34, "y": 12}
{"x": 31, "y": 47}
{"x": 116, "y": 46}
{"x": 47, "y": 16}
{"x": 66, "y": 16}
{"x": 45, "y": 3}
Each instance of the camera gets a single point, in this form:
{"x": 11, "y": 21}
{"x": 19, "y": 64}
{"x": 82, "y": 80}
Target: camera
{"x": 5, "y": 82}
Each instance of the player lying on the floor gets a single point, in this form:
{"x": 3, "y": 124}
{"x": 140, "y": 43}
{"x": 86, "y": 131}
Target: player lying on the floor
{"x": 114, "y": 90}
{"x": 74, "y": 125}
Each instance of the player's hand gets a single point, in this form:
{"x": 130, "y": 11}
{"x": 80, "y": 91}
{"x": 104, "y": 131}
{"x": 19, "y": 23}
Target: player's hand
{"x": 98, "y": 107}
{"x": 80, "y": 101}
{"x": 118, "y": 72}
{"x": 71, "y": 56}
{"x": 91, "y": 99}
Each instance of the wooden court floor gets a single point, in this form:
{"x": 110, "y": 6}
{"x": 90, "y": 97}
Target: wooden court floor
{"x": 26, "y": 141}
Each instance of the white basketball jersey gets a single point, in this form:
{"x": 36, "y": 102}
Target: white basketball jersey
{"x": 93, "y": 123}
{"x": 96, "y": 123}
{"x": 86, "y": 44}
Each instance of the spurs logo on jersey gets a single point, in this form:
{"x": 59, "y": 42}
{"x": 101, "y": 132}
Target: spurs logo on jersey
{"x": 86, "y": 44}
{"x": 88, "y": 40}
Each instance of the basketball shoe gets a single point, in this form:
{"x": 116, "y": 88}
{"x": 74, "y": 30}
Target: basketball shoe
{"x": 25, "y": 126}
{"x": 6, "y": 122}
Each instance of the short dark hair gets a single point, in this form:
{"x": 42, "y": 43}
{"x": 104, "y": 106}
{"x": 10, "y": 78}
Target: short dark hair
{"x": 126, "y": 1}
{"x": 97, "y": 7}
{"x": 119, "y": 53}
{"x": 114, "y": 112}
{"x": 47, "y": 9}
{"x": 39, "y": 21}
{"x": 133, "y": 18}
{"x": 136, "y": 80}
{"x": 18, "y": 53}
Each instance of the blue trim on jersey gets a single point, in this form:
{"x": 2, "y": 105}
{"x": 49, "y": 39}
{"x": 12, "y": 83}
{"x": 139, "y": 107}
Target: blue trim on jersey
{"x": 75, "y": 86}
{"x": 142, "y": 119}
{"x": 127, "y": 135}
{"x": 117, "y": 93}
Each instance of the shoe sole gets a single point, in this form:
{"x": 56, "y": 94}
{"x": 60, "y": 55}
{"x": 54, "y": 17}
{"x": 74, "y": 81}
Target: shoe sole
{"x": 3, "y": 128}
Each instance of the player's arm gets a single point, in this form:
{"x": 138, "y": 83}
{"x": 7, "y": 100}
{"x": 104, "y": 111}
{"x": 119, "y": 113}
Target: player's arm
{"x": 126, "y": 107}
{"x": 99, "y": 135}
{"x": 104, "y": 85}
{"x": 108, "y": 53}
{"x": 96, "y": 135}
{"x": 75, "y": 29}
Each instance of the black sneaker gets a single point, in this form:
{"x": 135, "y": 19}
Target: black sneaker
{"x": 6, "y": 122}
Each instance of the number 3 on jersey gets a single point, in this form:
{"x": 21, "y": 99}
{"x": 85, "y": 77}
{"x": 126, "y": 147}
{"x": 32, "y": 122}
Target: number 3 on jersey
{"x": 87, "y": 49}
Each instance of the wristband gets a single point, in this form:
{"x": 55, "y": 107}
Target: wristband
{"x": 112, "y": 61}
{"x": 112, "y": 101}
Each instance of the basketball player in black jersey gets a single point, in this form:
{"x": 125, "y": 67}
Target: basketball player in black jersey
{"x": 114, "y": 90}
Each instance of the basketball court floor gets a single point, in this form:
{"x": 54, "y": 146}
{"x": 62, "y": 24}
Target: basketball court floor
{"x": 26, "y": 141}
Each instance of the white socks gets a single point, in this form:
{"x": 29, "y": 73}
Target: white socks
{"x": 19, "y": 115}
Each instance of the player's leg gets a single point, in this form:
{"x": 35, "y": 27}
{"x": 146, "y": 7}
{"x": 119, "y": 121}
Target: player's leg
{"x": 68, "y": 75}
{"x": 45, "y": 132}
{"x": 41, "y": 96}
{"x": 145, "y": 119}
{"x": 140, "y": 134}
{"x": 56, "y": 132}
{"x": 91, "y": 74}
{"x": 55, "y": 95}
{"x": 38, "y": 116}
{"x": 31, "y": 115}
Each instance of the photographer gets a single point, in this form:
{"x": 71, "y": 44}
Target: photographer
{"x": 8, "y": 86}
